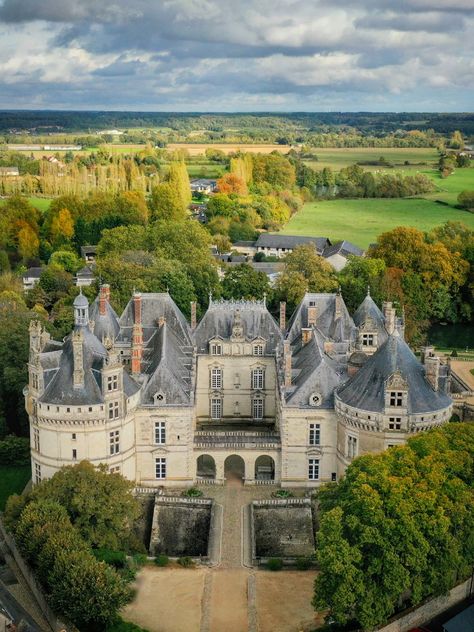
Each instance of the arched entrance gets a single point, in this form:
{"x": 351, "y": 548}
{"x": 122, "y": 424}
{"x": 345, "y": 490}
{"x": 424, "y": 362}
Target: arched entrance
{"x": 264, "y": 468}
{"x": 234, "y": 468}
{"x": 205, "y": 466}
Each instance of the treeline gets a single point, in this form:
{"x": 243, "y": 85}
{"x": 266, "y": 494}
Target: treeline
{"x": 397, "y": 528}
{"x": 377, "y": 123}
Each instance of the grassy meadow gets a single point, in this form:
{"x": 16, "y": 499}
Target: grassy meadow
{"x": 13, "y": 479}
{"x": 361, "y": 220}
{"x": 337, "y": 158}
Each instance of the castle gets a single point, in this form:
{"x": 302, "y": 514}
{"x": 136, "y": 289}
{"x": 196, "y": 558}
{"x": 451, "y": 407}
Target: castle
{"x": 171, "y": 403}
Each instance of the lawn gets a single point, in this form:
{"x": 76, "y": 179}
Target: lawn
{"x": 42, "y": 204}
{"x": 361, "y": 221}
{"x": 449, "y": 188}
{"x": 13, "y": 479}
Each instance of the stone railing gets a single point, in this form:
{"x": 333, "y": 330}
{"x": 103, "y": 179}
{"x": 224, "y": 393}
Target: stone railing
{"x": 282, "y": 502}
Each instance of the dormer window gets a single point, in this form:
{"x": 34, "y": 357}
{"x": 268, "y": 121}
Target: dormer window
{"x": 368, "y": 340}
{"x": 159, "y": 398}
{"x": 216, "y": 348}
{"x": 258, "y": 350}
{"x": 396, "y": 398}
{"x": 112, "y": 382}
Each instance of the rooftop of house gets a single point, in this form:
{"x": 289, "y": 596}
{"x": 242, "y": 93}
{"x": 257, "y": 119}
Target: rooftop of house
{"x": 267, "y": 240}
{"x": 344, "y": 248}
{"x": 33, "y": 273}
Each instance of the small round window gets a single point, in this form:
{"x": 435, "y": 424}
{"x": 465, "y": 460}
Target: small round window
{"x": 315, "y": 399}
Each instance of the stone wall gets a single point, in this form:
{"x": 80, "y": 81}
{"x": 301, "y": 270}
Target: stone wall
{"x": 429, "y": 609}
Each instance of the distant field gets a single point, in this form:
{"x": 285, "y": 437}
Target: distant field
{"x": 337, "y": 158}
{"x": 450, "y": 187}
{"x": 361, "y": 220}
{"x": 196, "y": 149}
{"x": 42, "y": 204}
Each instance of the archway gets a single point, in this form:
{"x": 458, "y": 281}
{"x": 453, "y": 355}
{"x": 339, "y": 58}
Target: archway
{"x": 234, "y": 468}
{"x": 264, "y": 468}
{"x": 206, "y": 466}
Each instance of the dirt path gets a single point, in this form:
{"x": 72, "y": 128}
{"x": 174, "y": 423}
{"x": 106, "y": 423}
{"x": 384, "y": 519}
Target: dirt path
{"x": 228, "y": 603}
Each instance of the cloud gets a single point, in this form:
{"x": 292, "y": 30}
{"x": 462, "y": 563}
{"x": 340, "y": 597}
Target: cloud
{"x": 239, "y": 54}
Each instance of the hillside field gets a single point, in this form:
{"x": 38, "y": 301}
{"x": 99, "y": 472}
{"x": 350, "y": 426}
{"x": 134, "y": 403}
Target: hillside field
{"x": 361, "y": 220}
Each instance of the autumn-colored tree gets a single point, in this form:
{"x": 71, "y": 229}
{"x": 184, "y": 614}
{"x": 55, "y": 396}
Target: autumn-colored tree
{"x": 166, "y": 203}
{"x": 178, "y": 179}
{"x": 28, "y": 242}
{"x": 232, "y": 183}
{"x": 62, "y": 227}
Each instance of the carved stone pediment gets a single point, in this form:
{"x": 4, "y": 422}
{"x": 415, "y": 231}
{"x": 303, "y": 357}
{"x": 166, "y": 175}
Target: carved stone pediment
{"x": 396, "y": 382}
{"x": 369, "y": 325}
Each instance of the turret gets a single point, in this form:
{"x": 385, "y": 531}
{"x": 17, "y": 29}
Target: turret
{"x": 81, "y": 311}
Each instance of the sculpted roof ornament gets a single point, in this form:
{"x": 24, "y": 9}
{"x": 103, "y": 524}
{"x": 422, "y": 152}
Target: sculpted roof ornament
{"x": 397, "y": 382}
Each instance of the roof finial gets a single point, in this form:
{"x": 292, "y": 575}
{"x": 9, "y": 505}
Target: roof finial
{"x": 210, "y": 298}
{"x": 264, "y": 299}
{"x": 339, "y": 290}
{"x": 368, "y": 290}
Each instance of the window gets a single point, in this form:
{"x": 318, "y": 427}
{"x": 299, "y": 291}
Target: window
{"x": 351, "y": 447}
{"x": 36, "y": 439}
{"x": 216, "y": 408}
{"x": 90, "y": 409}
{"x": 216, "y": 349}
{"x": 34, "y": 381}
{"x": 115, "y": 469}
{"x": 216, "y": 378}
{"x": 114, "y": 442}
{"x": 74, "y": 454}
{"x": 160, "y": 467}
{"x": 73, "y": 436}
{"x": 367, "y": 340}
{"x": 112, "y": 382}
{"x": 314, "y": 434}
{"x": 396, "y": 398}
{"x": 258, "y": 350}
{"x": 113, "y": 410}
{"x": 313, "y": 469}
{"x": 257, "y": 408}
{"x": 257, "y": 379}
{"x": 37, "y": 473}
{"x": 395, "y": 423}
{"x": 160, "y": 432}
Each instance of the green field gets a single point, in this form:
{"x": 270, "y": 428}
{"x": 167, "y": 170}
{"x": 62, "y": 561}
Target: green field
{"x": 42, "y": 204}
{"x": 13, "y": 479}
{"x": 337, "y": 158}
{"x": 361, "y": 220}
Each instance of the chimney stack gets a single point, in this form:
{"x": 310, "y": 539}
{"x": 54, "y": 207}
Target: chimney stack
{"x": 338, "y": 305}
{"x": 306, "y": 334}
{"x": 193, "y": 315}
{"x": 77, "y": 345}
{"x": 282, "y": 315}
{"x": 287, "y": 362}
{"x": 312, "y": 315}
{"x": 390, "y": 317}
{"x": 432, "y": 367}
{"x": 137, "y": 334}
{"x": 104, "y": 295}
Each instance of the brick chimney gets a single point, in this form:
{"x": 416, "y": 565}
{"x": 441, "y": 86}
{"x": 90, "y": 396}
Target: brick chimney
{"x": 282, "y": 315}
{"x": 137, "y": 334}
{"x": 306, "y": 334}
{"x": 389, "y": 314}
{"x": 104, "y": 296}
{"x": 193, "y": 315}
{"x": 432, "y": 367}
{"x": 312, "y": 315}
{"x": 287, "y": 362}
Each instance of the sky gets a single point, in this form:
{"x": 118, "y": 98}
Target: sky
{"x": 239, "y": 55}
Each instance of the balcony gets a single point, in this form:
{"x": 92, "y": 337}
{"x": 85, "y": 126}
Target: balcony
{"x": 237, "y": 439}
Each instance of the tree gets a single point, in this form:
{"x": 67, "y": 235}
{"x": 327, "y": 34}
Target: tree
{"x": 466, "y": 200}
{"x": 232, "y": 183}
{"x": 166, "y": 203}
{"x": 28, "y": 242}
{"x": 357, "y": 276}
{"x": 62, "y": 227}
{"x": 86, "y": 493}
{"x": 457, "y": 140}
{"x": 319, "y": 274}
{"x": 179, "y": 180}
{"x": 66, "y": 260}
{"x": 242, "y": 281}
{"x": 397, "y": 528}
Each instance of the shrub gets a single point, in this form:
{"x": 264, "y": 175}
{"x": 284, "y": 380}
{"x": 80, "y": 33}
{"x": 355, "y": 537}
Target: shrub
{"x": 15, "y": 451}
{"x": 161, "y": 560}
{"x": 140, "y": 559}
{"x": 304, "y": 563}
{"x": 275, "y": 564}
{"x": 283, "y": 493}
{"x": 117, "y": 559}
{"x": 186, "y": 562}
{"x": 454, "y": 353}
{"x": 192, "y": 492}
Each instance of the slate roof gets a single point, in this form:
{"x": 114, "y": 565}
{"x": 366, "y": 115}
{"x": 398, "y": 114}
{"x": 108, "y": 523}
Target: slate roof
{"x": 339, "y": 330}
{"x": 256, "y": 322}
{"x": 86, "y": 273}
{"x": 33, "y": 273}
{"x": 344, "y": 248}
{"x": 313, "y": 371}
{"x": 107, "y": 325}
{"x": 366, "y": 389}
{"x": 266, "y": 240}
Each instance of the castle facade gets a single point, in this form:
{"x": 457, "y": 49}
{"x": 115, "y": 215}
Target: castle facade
{"x": 169, "y": 403}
